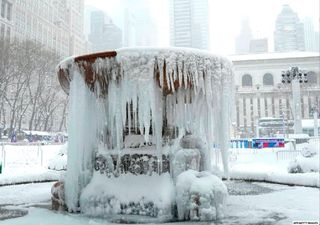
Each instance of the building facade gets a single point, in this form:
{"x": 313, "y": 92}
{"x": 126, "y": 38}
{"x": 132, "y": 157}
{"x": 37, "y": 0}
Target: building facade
{"x": 56, "y": 25}
{"x": 242, "y": 42}
{"x": 104, "y": 34}
{"x": 189, "y": 23}
{"x": 260, "y": 92}
{"x": 311, "y": 37}
{"x": 139, "y": 28}
{"x": 6, "y": 19}
{"x": 259, "y": 45}
{"x": 289, "y": 31}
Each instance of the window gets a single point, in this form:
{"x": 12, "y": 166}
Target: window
{"x": 8, "y": 33}
{"x": 2, "y": 31}
{"x": 246, "y": 80}
{"x": 312, "y": 78}
{"x": 3, "y": 7}
{"x": 9, "y": 7}
{"x": 267, "y": 79}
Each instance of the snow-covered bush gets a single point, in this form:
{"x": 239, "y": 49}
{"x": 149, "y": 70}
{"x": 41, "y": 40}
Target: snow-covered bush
{"x": 309, "y": 150}
{"x": 129, "y": 194}
{"x": 304, "y": 164}
{"x": 59, "y": 162}
{"x": 308, "y": 161}
{"x": 200, "y": 196}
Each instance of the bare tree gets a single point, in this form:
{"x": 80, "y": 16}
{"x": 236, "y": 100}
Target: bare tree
{"x": 30, "y": 96}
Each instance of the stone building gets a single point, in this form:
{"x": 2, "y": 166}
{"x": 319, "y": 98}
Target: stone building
{"x": 6, "y": 19}
{"x": 260, "y": 92}
{"x": 56, "y": 25}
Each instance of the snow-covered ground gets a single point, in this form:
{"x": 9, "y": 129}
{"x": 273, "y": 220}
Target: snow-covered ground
{"x": 30, "y": 164}
{"x": 248, "y": 203}
{"x": 27, "y": 163}
{"x": 271, "y": 164}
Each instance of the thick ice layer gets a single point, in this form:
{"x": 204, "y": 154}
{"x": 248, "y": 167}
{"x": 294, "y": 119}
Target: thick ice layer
{"x": 143, "y": 90}
{"x": 200, "y": 196}
{"x": 128, "y": 194}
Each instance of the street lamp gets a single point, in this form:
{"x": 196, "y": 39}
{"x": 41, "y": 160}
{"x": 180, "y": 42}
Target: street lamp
{"x": 295, "y": 76}
{"x": 315, "y": 121}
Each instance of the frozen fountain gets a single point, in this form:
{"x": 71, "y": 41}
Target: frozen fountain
{"x": 142, "y": 125}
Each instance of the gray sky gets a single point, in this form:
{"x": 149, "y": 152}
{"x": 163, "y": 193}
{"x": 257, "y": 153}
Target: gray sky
{"x": 225, "y": 17}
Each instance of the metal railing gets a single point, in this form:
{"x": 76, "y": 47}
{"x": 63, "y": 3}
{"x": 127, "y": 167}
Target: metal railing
{"x": 287, "y": 154}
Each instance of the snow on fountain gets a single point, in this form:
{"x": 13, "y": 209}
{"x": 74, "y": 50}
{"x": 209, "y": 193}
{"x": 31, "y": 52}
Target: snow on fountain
{"x": 164, "y": 96}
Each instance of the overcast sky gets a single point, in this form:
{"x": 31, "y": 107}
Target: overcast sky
{"x": 225, "y": 17}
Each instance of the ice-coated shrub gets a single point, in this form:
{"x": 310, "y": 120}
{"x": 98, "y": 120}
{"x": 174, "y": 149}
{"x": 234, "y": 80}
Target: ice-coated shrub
{"x": 59, "y": 162}
{"x": 304, "y": 164}
{"x": 200, "y": 196}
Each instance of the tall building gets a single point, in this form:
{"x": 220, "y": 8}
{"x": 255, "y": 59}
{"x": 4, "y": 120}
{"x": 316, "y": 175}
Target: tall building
{"x": 104, "y": 35}
{"x": 311, "y": 38}
{"x": 258, "y": 45}
{"x": 6, "y": 20}
{"x": 56, "y": 25}
{"x": 138, "y": 25}
{"x": 189, "y": 23}
{"x": 289, "y": 32}
{"x": 244, "y": 38}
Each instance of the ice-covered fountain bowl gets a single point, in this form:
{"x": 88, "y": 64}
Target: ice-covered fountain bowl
{"x": 142, "y": 125}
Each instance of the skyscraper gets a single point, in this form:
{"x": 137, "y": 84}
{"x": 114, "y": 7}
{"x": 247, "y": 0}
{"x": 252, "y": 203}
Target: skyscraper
{"x": 104, "y": 34}
{"x": 259, "y": 45}
{"x": 311, "y": 40}
{"x": 289, "y": 32}
{"x": 139, "y": 26}
{"x": 189, "y": 23}
{"x": 244, "y": 38}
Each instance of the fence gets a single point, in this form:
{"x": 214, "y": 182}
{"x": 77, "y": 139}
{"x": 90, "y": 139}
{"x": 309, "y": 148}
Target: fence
{"x": 315, "y": 141}
{"x": 14, "y": 155}
{"x": 287, "y": 154}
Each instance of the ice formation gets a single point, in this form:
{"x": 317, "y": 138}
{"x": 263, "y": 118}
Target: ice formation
{"x": 161, "y": 94}
{"x": 200, "y": 196}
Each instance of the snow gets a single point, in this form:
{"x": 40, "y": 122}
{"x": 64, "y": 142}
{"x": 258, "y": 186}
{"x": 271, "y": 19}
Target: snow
{"x": 272, "y": 55}
{"x": 308, "y": 161}
{"x": 191, "y": 89}
{"x": 185, "y": 159}
{"x": 271, "y": 165}
{"x": 299, "y": 136}
{"x": 281, "y": 206}
{"x": 121, "y": 195}
{"x": 59, "y": 162}
{"x": 27, "y": 163}
{"x": 309, "y": 123}
{"x": 25, "y": 193}
{"x": 28, "y": 174}
{"x": 200, "y": 196}
{"x": 286, "y": 205}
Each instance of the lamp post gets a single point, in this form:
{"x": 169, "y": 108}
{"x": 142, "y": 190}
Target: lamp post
{"x": 315, "y": 121}
{"x": 295, "y": 76}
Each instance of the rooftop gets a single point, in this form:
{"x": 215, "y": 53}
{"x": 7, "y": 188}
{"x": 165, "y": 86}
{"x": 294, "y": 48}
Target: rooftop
{"x": 272, "y": 55}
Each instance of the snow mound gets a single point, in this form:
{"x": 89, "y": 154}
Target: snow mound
{"x": 128, "y": 194}
{"x": 59, "y": 162}
{"x": 200, "y": 196}
{"x": 308, "y": 161}
{"x": 304, "y": 164}
{"x": 309, "y": 150}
